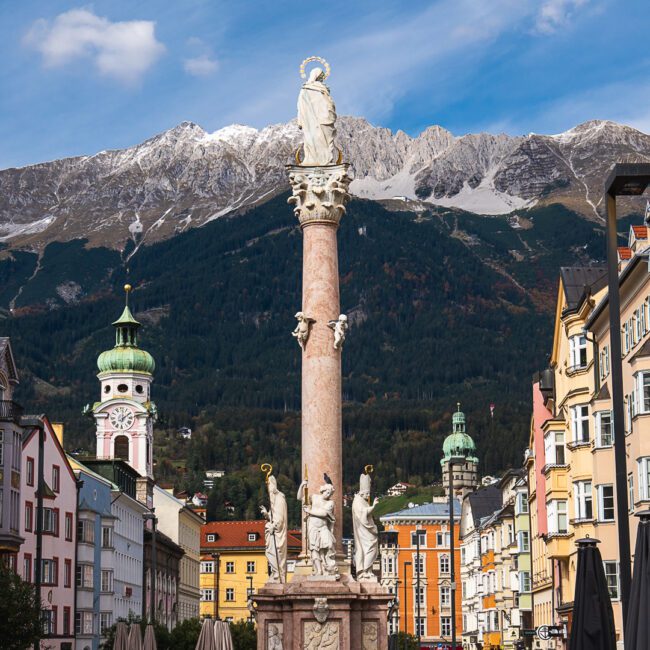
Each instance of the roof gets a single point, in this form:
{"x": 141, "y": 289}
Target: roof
{"x": 484, "y": 502}
{"x": 640, "y": 232}
{"x": 234, "y": 535}
{"x": 603, "y": 393}
{"x": 5, "y": 349}
{"x": 624, "y": 253}
{"x": 433, "y": 510}
{"x": 580, "y": 281}
{"x": 643, "y": 351}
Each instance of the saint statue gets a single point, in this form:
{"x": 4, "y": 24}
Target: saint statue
{"x": 366, "y": 546}
{"x": 320, "y": 528}
{"x": 275, "y": 532}
{"x": 317, "y": 119}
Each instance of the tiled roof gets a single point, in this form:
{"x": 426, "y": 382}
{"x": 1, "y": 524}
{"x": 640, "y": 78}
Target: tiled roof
{"x": 435, "y": 510}
{"x": 640, "y": 232}
{"x": 234, "y": 535}
{"x": 577, "y": 281}
{"x": 624, "y": 253}
{"x": 484, "y": 502}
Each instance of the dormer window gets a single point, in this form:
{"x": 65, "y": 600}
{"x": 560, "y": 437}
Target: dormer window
{"x": 210, "y": 538}
{"x": 252, "y": 537}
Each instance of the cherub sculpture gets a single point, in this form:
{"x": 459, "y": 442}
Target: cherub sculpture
{"x": 340, "y": 328}
{"x": 302, "y": 329}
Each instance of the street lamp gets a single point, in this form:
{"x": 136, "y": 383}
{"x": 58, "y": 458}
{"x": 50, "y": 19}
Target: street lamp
{"x": 406, "y": 616}
{"x": 250, "y": 595}
{"x": 452, "y": 460}
{"x": 625, "y": 179}
{"x": 150, "y": 516}
{"x": 216, "y": 557}
{"x": 417, "y": 583}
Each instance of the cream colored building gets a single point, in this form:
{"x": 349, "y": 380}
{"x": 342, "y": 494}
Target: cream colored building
{"x": 183, "y": 526}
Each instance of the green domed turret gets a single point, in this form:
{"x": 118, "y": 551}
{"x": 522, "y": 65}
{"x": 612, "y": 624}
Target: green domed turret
{"x": 458, "y": 443}
{"x": 126, "y": 356}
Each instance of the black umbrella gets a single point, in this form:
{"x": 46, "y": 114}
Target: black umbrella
{"x": 637, "y": 628}
{"x": 593, "y": 619}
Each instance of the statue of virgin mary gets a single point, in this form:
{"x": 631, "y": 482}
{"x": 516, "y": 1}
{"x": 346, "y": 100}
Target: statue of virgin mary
{"x": 317, "y": 119}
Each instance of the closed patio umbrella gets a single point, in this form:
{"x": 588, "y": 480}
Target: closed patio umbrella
{"x": 593, "y": 619}
{"x": 637, "y": 629}
{"x": 121, "y": 636}
{"x": 135, "y": 637}
{"x": 206, "y": 640}
{"x": 224, "y": 638}
{"x": 150, "y": 638}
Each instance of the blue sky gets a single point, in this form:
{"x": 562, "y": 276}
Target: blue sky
{"x": 78, "y": 78}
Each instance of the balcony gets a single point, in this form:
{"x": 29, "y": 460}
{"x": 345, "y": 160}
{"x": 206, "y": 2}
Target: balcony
{"x": 558, "y": 545}
{"x": 10, "y": 411}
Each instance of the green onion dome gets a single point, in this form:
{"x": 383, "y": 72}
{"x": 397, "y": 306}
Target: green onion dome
{"x": 459, "y": 442}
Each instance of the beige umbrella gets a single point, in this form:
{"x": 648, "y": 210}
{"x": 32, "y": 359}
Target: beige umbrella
{"x": 135, "y": 637}
{"x": 222, "y": 635}
{"x": 206, "y": 640}
{"x": 121, "y": 636}
{"x": 150, "y": 638}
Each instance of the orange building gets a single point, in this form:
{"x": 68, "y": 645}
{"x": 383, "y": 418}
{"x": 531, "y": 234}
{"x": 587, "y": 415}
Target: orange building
{"x": 425, "y": 600}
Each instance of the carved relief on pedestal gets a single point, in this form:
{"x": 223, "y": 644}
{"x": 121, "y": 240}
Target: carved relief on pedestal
{"x": 369, "y": 636}
{"x": 319, "y": 193}
{"x": 321, "y": 636}
{"x": 274, "y": 636}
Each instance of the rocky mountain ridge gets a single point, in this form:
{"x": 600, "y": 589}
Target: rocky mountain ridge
{"x": 186, "y": 177}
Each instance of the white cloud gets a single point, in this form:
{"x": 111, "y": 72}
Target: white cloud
{"x": 201, "y": 66}
{"x": 122, "y": 50}
{"x": 554, "y": 14}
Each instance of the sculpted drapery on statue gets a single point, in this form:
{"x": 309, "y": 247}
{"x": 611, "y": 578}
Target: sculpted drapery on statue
{"x": 275, "y": 531}
{"x": 366, "y": 547}
{"x": 317, "y": 119}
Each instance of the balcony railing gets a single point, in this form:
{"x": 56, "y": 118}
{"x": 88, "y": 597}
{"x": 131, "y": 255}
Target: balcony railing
{"x": 10, "y": 411}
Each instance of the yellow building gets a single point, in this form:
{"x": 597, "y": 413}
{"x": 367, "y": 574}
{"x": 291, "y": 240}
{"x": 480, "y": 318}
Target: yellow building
{"x": 234, "y": 566}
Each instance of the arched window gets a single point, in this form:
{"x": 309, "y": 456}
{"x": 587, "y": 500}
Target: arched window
{"x": 121, "y": 448}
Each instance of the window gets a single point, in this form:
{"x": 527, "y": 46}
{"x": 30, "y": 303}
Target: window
{"x": 250, "y": 566}
{"x": 442, "y": 540}
{"x": 523, "y": 541}
{"x": 580, "y": 423}
{"x": 521, "y": 505}
{"x": 85, "y": 576}
{"x": 582, "y": 500}
{"x": 642, "y": 389}
{"x": 67, "y": 573}
{"x": 605, "y": 502}
{"x": 445, "y": 626}
{"x": 83, "y": 623}
{"x": 66, "y": 621}
{"x": 107, "y": 581}
{"x": 49, "y": 571}
{"x": 252, "y": 537}
{"x": 122, "y": 388}
{"x": 554, "y": 448}
{"x": 29, "y": 515}
{"x": 388, "y": 564}
{"x": 48, "y": 622}
{"x": 105, "y": 621}
{"x": 2, "y": 437}
{"x": 230, "y": 567}
{"x": 419, "y": 536}
{"x": 630, "y": 492}
{"x": 524, "y": 581}
{"x": 418, "y": 564}
{"x": 604, "y": 429}
{"x": 419, "y": 595}
{"x": 644, "y": 478}
{"x": 556, "y": 511}
{"x": 611, "y": 576}
{"x": 207, "y": 567}
{"x": 139, "y": 389}
{"x": 68, "y": 526}
{"x": 604, "y": 362}
{"x": 445, "y": 596}
{"x": 27, "y": 567}
{"x": 230, "y": 595}
{"x": 51, "y": 520}
{"x": 107, "y": 537}
{"x": 210, "y": 538}
{"x": 56, "y": 478}
{"x": 444, "y": 564}
{"x": 86, "y": 531}
{"x": 207, "y": 595}
{"x": 578, "y": 351}
{"x": 420, "y": 625}
{"x": 30, "y": 471}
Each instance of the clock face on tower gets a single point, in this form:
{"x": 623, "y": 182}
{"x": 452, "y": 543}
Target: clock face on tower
{"x": 122, "y": 418}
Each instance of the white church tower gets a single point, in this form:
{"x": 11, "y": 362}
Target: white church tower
{"x": 125, "y": 414}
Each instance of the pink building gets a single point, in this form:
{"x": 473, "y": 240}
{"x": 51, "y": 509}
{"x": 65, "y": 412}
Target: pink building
{"x": 43, "y": 456}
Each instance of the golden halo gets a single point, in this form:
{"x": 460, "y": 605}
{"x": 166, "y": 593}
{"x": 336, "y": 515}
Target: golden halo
{"x": 309, "y": 59}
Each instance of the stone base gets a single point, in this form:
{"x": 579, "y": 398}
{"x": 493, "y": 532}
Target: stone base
{"x": 310, "y": 614}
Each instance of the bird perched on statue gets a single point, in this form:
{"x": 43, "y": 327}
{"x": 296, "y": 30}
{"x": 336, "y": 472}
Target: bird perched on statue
{"x": 328, "y": 480}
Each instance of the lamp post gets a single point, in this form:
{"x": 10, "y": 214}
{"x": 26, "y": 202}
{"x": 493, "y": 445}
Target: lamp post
{"x": 406, "y": 616}
{"x": 150, "y": 516}
{"x": 216, "y": 557}
{"x": 625, "y": 179}
{"x": 453, "y": 460}
{"x": 250, "y": 594}
{"x": 417, "y": 584}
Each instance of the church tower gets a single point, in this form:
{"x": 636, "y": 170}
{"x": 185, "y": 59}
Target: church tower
{"x": 125, "y": 414}
{"x": 460, "y": 446}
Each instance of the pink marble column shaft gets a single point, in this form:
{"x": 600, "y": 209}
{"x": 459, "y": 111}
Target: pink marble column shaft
{"x": 321, "y": 365}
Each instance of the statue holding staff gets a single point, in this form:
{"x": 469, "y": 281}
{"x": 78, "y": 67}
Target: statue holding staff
{"x": 275, "y": 529}
{"x": 366, "y": 535}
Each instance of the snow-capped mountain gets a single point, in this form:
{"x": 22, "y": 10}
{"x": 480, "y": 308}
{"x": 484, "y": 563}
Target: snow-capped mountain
{"x": 186, "y": 177}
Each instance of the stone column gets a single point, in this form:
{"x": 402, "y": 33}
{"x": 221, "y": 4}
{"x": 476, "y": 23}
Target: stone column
{"x": 319, "y": 196}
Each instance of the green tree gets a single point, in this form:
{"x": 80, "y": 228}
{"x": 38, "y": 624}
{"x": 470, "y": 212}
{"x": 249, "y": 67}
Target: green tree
{"x": 244, "y": 635}
{"x": 403, "y": 641}
{"x": 185, "y": 635}
{"x": 20, "y": 612}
